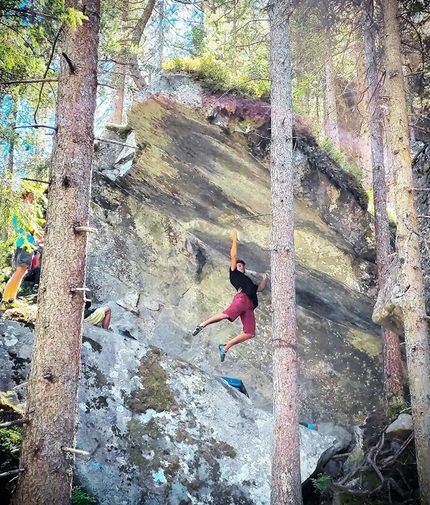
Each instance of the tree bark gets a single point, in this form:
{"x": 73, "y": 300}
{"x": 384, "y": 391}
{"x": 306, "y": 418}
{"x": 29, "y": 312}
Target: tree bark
{"x": 54, "y": 376}
{"x": 11, "y": 155}
{"x": 331, "y": 117}
{"x": 161, "y": 34}
{"x": 286, "y": 482}
{"x": 135, "y": 38}
{"x": 411, "y": 278}
{"x": 393, "y": 367}
{"x": 363, "y": 109}
{"x": 119, "y": 98}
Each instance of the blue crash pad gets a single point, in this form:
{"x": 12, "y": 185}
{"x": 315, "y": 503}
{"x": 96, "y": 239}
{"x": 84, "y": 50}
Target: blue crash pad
{"x": 237, "y": 384}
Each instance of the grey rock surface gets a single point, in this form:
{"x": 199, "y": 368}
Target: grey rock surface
{"x": 158, "y": 429}
{"x": 401, "y": 428}
{"x": 343, "y": 439}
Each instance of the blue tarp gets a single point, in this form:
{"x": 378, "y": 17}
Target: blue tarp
{"x": 237, "y": 384}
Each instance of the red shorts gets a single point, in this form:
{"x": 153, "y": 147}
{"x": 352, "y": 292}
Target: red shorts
{"x": 243, "y": 307}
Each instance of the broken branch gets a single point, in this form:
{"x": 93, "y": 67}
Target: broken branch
{"x": 18, "y": 422}
{"x": 11, "y": 472}
{"x": 75, "y": 451}
{"x": 115, "y": 142}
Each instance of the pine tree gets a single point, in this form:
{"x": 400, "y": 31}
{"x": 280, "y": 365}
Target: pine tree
{"x": 393, "y": 367}
{"x": 286, "y": 482}
{"x": 411, "y": 292}
{"x": 54, "y": 376}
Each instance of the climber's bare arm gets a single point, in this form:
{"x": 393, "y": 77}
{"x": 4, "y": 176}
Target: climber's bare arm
{"x": 233, "y": 251}
{"x": 262, "y": 284}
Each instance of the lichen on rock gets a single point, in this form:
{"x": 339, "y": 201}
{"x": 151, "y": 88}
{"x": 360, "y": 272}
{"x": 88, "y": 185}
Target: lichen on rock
{"x": 155, "y": 393}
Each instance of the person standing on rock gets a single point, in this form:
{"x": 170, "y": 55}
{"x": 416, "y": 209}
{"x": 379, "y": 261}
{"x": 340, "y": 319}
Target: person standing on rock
{"x": 243, "y": 305}
{"x": 26, "y": 237}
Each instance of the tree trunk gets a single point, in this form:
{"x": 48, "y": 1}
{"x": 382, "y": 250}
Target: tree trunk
{"x": 11, "y": 155}
{"x": 286, "y": 482}
{"x": 54, "y": 376}
{"x": 408, "y": 248}
{"x": 331, "y": 117}
{"x": 118, "y": 103}
{"x": 393, "y": 367}
{"x": 161, "y": 34}
{"x": 135, "y": 38}
{"x": 363, "y": 109}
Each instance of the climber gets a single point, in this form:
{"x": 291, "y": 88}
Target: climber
{"x": 26, "y": 239}
{"x": 96, "y": 316}
{"x": 244, "y": 302}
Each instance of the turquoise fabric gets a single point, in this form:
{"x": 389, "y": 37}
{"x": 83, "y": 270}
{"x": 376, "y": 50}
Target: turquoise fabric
{"x": 24, "y": 239}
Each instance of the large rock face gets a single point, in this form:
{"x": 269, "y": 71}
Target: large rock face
{"x": 159, "y": 423}
{"x": 165, "y": 211}
{"x": 158, "y": 429}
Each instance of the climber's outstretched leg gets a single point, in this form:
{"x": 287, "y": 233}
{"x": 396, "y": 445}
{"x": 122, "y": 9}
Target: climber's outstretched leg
{"x": 214, "y": 319}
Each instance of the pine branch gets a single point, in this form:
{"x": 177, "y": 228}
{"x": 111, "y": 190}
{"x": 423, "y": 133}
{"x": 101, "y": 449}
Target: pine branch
{"x": 46, "y": 71}
{"x": 29, "y": 81}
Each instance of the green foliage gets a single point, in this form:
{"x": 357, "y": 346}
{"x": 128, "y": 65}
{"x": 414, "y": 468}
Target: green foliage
{"x": 80, "y": 497}
{"x": 111, "y": 29}
{"x": 392, "y": 220}
{"x": 25, "y": 34}
{"x": 73, "y": 17}
{"x": 341, "y": 158}
{"x": 28, "y": 31}
{"x": 10, "y": 439}
{"x": 217, "y": 76}
{"x": 395, "y": 408}
{"x": 198, "y": 39}
{"x": 10, "y": 445}
{"x": 5, "y": 262}
{"x": 322, "y": 484}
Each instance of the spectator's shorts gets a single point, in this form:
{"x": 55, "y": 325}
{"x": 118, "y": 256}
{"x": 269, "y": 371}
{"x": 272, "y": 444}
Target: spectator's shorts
{"x": 97, "y": 316}
{"x": 243, "y": 307}
{"x": 22, "y": 258}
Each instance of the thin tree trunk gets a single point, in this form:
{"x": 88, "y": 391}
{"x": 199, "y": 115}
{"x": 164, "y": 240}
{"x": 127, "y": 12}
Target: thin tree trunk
{"x": 135, "y": 41}
{"x": 118, "y": 103}
{"x": 331, "y": 117}
{"x": 120, "y": 71}
{"x": 11, "y": 154}
{"x": 160, "y": 35}
{"x": 286, "y": 482}
{"x": 363, "y": 109}
{"x": 393, "y": 367}
{"x": 54, "y": 376}
{"x": 408, "y": 248}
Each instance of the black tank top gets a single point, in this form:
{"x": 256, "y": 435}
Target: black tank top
{"x": 243, "y": 283}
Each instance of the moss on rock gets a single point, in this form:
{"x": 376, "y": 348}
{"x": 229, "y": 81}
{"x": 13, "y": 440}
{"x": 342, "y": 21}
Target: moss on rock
{"x": 155, "y": 393}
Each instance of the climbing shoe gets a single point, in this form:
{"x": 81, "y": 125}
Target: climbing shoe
{"x": 222, "y": 352}
{"x": 8, "y": 304}
{"x": 197, "y": 330}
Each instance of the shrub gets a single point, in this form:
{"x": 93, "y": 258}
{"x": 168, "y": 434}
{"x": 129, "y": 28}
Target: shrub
{"x": 217, "y": 76}
{"x": 341, "y": 158}
{"x": 322, "y": 484}
{"x": 80, "y": 497}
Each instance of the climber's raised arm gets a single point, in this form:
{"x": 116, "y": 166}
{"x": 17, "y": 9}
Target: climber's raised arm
{"x": 233, "y": 251}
